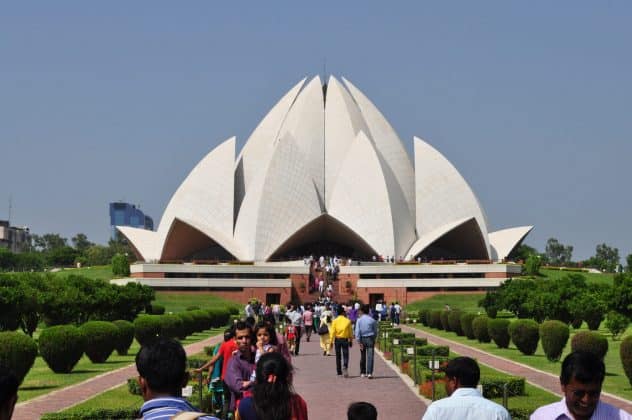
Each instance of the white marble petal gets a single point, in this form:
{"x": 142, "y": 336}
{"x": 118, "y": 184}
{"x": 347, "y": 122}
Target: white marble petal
{"x": 428, "y": 238}
{"x": 505, "y": 240}
{"x": 359, "y": 197}
{"x": 145, "y": 242}
{"x": 443, "y": 196}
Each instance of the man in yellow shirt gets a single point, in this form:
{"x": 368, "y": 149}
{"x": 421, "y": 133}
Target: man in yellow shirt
{"x": 341, "y": 335}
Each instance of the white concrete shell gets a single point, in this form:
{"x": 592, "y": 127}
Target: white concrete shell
{"x": 504, "y": 241}
{"x": 323, "y": 165}
{"x": 443, "y": 195}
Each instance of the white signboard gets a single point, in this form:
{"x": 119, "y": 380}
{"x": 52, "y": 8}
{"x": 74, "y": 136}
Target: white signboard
{"x": 187, "y": 391}
{"x": 395, "y": 341}
{"x": 434, "y": 365}
{"x": 410, "y": 351}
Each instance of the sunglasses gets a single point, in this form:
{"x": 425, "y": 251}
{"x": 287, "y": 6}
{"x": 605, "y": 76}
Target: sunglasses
{"x": 580, "y": 393}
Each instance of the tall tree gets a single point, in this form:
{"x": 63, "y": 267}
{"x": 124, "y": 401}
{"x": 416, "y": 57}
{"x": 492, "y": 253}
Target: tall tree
{"x": 557, "y": 253}
{"x": 606, "y": 258}
{"x": 628, "y": 260}
{"x": 49, "y": 242}
{"x": 81, "y": 243}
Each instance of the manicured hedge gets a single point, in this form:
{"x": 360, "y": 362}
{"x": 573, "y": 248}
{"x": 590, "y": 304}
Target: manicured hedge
{"x": 625, "y": 352}
{"x": 100, "y": 337}
{"x": 146, "y": 328}
{"x": 439, "y": 350}
{"x": 479, "y": 328}
{"x": 156, "y": 309}
{"x": 96, "y": 413}
{"x": 125, "y": 336}
{"x": 454, "y": 321}
{"x": 219, "y": 317}
{"x": 18, "y": 352}
{"x": 434, "y": 320}
{"x": 171, "y": 326}
{"x": 445, "y": 324}
{"x": 525, "y": 335}
{"x": 188, "y": 326}
{"x": 590, "y": 341}
{"x": 466, "y": 325}
{"x": 499, "y": 332}
{"x": 554, "y": 335}
{"x": 493, "y": 386}
{"x": 61, "y": 347}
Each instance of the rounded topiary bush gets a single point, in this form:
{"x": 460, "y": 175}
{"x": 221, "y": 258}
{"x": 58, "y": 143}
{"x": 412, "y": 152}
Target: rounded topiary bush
{"x": 525, "y": 335}
{"x": 61, "y": 347}
{"x": 625, "y": 352}
{"x": 171, "y": 326}
{"x": 202, "y": 320}
{"x": 479, "y": 329}
{"x": 219, "y": 317}
{"x": 466, "y": 325}
{"x": 423, "y": 316}
{"x": 193, "y": 308}
{"x": 100, "y": 339}
{"x": 454, "y": 321}
{"x": 590, "y": 341}
{"x": 554, "y": 335}
{"x": 125, "y": 336}
{"x": 445, "y": 324}
{"x": 17, "y": 352}
{"x": 188, "y": 324}
{"x": 146, "y": 328}
{"x": 156, "y": 309}
{"x": 499, "y": 332}
{"x": 435, "y": 319}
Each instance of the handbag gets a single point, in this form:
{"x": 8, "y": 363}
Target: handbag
{"x": 323, "y": 329}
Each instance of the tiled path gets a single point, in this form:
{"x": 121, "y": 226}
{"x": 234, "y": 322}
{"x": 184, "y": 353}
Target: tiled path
{"x": 75, "y": 394}
{"x": 328, "y": 395}
{"x": 536, "y": 377}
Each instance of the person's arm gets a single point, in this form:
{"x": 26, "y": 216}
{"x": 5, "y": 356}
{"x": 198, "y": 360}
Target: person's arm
{"x": 208, "y": 364}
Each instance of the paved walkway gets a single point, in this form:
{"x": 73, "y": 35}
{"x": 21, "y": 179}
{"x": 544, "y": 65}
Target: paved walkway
{"x": 328, "y": 395}
{"x": 544, "y": 380}
{"x": 75, "y": 394}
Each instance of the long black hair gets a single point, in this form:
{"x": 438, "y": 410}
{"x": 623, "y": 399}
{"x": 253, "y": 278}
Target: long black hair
{"x": 273, "y": 391}
{"x": 270, "y": 329}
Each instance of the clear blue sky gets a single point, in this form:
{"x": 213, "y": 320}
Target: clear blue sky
{"x": 531, "y": 101}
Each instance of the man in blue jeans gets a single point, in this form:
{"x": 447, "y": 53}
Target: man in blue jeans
{"x": 365, "y": 334}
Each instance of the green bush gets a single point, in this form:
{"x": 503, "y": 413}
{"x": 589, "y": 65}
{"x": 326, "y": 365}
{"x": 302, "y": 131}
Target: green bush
{"x": 61, "y": 347}
{"x": 156, "y": 309}
{"x": 616, "y": 323}
{"x": 133, "y": 386}
{"x": 493, "y": 386}
{"x": 525, "y": 335}
{"x": 466, "y": 324}
{"x": 233, "y": 310}
{"x": 146, "y": 328}
{"x": 219, "y": 317}
{"x": 479, "y": 329}
{"x": 499, "y": 332}
{"x": 95, "y": 413}
{"x": 445, "y": 324}
{"x": 193, "y": 308}
{"x": 120, "y": 265}
{"x": 438, "y": 350}
{"x": 202, "y": 320}
{"x": 171, "y": 326}
{"x": 100, "y": 339}
{"x": 188, "y": 324}
{"x": 520, "y": 413}
{"x": 554, "y": 335}
{"x": 590, "y": 341}
{"x": 18, "y": 352}
{"x": 434, "y": 320}
{"x": 423, "y": 316}
{"x": 125, "y": 336}
{"x": 625, "y": 352}
{"x": 454, "y": 321}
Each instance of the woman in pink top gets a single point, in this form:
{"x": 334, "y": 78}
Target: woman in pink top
{"x": 308, "y": 321}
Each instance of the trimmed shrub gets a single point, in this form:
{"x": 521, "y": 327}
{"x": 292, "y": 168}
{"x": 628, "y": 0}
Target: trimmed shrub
{"x": 438, "y": 350}
{"x": 146, "y": 328}
{"x": 625, "y": 352}
{"x": 454, "y": 321}
{"x": 445, "y": 325}
{"x": 590, "y": 341}
{"x": 493, "y": 386}
{"x": 120, "y": 265}
{"x": 100, "y": 339}
{"x": 233, "y": 310}
{"x": 616, "y": 323}
{"x": 219, "y": 317}
{"x": 188, "y": 324}
{"x": 17, "y": 352}
{"x": 61, "y": 347}
{"x": 423, "y": 316}
{"x": 435, "y": 319}
{"x": 125, "y": 336}
{"x": 156, "y": 309}
{"x": 466, "y": 325}
{"x": 577, "y": 323}
{"x": 202, "y": 320}
{"x": 479, "y": 329}
{"x": 95, "y": 413}
{"x": 554, "y": 335}
{"x": 171, "y": 326}
{"x": 193, "y": 308}
{"x": 525, "y": 335}
{"x": 499, "y": 332}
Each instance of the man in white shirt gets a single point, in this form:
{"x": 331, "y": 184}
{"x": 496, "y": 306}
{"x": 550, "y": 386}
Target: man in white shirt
{"x": 465, "y": 402}
{"x": 581, "y": 379}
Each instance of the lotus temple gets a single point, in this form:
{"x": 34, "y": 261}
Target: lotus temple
{"x": 324, "y": 173}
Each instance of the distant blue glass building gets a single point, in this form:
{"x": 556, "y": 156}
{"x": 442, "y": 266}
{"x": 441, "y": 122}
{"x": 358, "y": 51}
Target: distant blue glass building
{"x": 125, "y": 214}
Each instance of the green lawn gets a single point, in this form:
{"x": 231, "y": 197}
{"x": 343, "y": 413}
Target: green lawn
{"x": 177, "y": 301}
{"x": 100, "y": 272}
{"x": 41, "y": 380}
{"x": 465, "y": 301}
{"x": 590, "y": 277}
{"x": 616, "y": 382}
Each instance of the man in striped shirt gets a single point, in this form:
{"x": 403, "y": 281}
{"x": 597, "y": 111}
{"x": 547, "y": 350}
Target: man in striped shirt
{"x": 161, "y": 366}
